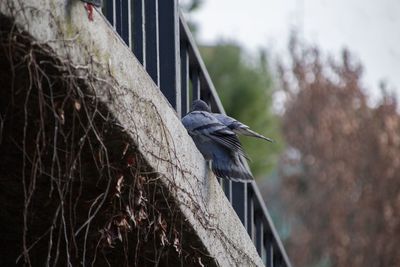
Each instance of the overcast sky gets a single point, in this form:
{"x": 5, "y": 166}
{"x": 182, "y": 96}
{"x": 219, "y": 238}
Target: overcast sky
{"x": 369, "y": 28}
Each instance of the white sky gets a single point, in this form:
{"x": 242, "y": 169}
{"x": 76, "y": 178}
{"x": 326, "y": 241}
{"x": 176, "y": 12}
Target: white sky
{"x": 369, "y": 28}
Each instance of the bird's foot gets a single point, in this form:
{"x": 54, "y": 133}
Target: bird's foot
{"x": 89, "y": 9}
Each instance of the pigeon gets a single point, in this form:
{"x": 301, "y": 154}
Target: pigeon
{"x": 218, "y": 144}
{"x": 233, "y": 124}
{"x": 89, "y": 6}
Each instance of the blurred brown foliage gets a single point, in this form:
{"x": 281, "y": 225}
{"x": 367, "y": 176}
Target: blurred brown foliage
{"x": 345, "y": 194}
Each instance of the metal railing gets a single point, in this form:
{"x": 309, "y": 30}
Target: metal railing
{"x": 158, "y": 35}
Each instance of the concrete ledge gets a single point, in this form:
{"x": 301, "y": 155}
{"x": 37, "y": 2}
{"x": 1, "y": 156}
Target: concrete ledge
{"x": 124, "y": 87}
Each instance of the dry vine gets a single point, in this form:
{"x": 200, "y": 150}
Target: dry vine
{"x": 74, "y": 189}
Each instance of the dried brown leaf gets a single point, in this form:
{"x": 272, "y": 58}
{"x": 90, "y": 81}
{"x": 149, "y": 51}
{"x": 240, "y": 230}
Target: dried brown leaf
{"x": 77, "y": 105}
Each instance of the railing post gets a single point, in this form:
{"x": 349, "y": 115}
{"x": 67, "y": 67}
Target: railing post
{"x": 152, "y": 40}
{"x": 250, "y": 215}
{"x": 138, "y": 31}
{"x": 270, "y": 252}
{"x": 109, "y": 11}
{"x": 184, "y": 77}
{"x": 127, "y": 20}
{"x": 227, "y": 187}
{"x": 122, "y": 20}
{"x": 259, "y": 221}
{"x": 239, "y": 201}
{"x": 169, "y": 52}
{"x": 195, "y": 76}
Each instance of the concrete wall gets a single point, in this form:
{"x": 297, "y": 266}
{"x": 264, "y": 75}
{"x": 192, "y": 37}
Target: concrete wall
{"x": 129, "y": 93}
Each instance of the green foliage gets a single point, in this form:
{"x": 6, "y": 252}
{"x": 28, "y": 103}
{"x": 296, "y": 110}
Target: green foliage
{"x": 191, "y": 5}
{"x": 245, "y": 89}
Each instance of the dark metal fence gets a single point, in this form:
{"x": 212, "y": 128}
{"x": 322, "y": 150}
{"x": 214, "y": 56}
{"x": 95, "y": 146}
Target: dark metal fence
{"x": 158, "y": 35}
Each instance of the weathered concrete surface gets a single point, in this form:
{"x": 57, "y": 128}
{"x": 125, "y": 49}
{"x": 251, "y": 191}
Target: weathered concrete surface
{"x": 126, "y": 89}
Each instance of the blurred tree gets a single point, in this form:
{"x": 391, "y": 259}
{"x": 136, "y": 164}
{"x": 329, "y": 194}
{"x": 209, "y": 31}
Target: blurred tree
{"x": 188, "y": 7}
{"x": 345, "y": 192}
{"x": 245, "y": 89}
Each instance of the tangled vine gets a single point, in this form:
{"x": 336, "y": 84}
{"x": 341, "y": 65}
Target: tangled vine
{"x": 74, "y": 190}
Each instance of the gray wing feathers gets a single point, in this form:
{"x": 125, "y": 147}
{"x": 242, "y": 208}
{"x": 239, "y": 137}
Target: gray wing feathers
{"x": 205, "y": 126}
{"x": 238, "y": 127}
{"x": 217, "y": 142}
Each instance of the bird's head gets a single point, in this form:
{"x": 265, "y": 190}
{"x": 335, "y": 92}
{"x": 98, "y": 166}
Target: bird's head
{"x": 200, "y": 105}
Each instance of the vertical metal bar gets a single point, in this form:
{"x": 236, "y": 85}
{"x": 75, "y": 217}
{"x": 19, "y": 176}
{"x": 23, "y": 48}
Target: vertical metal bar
{"x": 239, "y": 201}
{"x": 184, "y": 78}
{"x": 259, "y": 222}
{"x": 130, "y": 25}
{"x": 264, "y": 245}
{"x": 125, "y": 21}
{"x": 108, "y": 10}
{"x": 115, "y": 11}
{"x": 226, "y": 187}
{"x": 221, "y": 181}
{"x": 270, "y": 253}
{"x": 267, "y": 251}
{"x": 152, "y": 41}
{"x": 196, "y": 84}
{"x": 273, "y": 256}
{"x": 205, "y": 92}
{"x": 118, "y": 16}
{"x": 277, "y": 261}
{"x": 230, "y": 191}
{"x": 250, "y": 216}
{"x": 213, "y": 106}
{"x": 169, "y": 52}
{"x": 139, "y": 38}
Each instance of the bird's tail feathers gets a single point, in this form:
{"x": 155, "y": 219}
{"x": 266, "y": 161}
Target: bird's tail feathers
{"x": 235, "y": 170}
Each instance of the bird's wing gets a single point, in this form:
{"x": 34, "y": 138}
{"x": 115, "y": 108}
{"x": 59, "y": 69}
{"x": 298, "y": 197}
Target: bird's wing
{"x": 200, "y": 123}
{"x": 230, "y": 166}
{"x": 220, "y": 143}
{"x": 238, "y": 127}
